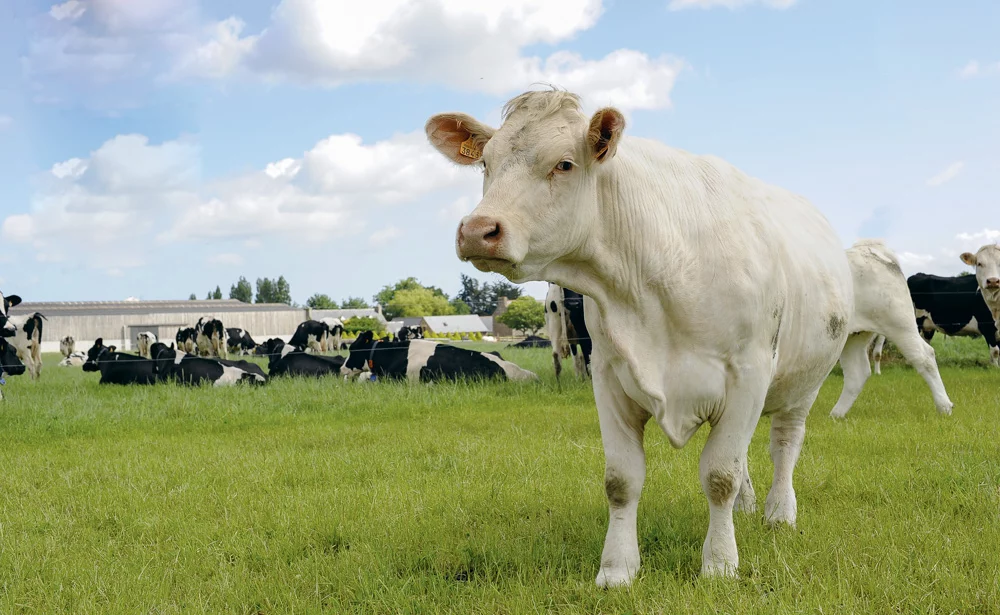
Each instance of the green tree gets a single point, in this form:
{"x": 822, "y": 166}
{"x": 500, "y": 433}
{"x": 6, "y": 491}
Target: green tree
{"x": 386, "y": 296}
{"x": 241, "y": 291}
{"x": 363, "y": 323}
{"x": 353, "y": 303}
{"x": 482, "y": 298}
{"x": 273, "y": 291}
{"x": 218, "y": 293}
{"x": 321, "y": 302}
{"x": 192, "y": 297}
{"x": 460, "y": 307}
{"x": 418, "y": 302}
{"x": 524, "y": 314}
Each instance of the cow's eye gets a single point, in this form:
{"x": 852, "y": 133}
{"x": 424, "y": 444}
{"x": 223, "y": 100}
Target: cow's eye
{"x": 564, "y": 166}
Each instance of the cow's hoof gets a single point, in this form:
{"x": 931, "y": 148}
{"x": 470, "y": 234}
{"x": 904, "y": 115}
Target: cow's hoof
{"x": 780, "y": 510}
{"x": 719, "y": 570}
{"x": 945, "y": 409}
{"x": 615, "y": 577}
{"x": 745, "y": 503}
{"x": 838, "y": 414}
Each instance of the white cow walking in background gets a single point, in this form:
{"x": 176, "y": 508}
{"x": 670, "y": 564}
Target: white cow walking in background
{"x": 711, "y": 296}
{"x": 882, "y": 306}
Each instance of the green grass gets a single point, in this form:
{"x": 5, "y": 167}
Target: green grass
{"x": 309, "y": 496}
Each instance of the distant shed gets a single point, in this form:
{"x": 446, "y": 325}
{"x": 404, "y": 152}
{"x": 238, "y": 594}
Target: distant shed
{"x": 118, "y": 322}
{"x": 466, "y": 323}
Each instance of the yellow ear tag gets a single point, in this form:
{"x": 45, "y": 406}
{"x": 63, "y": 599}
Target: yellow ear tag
{"x": 470, "y": 150}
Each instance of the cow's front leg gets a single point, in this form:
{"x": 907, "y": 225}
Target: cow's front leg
{"x": 622, "y": 426}
{"x": 723, "y": 473}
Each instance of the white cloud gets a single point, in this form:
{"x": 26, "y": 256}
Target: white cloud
{"x": 975, "y": 69}
{"x": 473, "y": 46}
{"x": 225, "y": 258}
{"x": 979, "y": 238}
{"x": 71, "y": 10}
{"x": 946, "y": 175}
{"x": 913, "y": 259}
{"x": 106, "y": 203}
{"x": 330, "y": 190}
{"x": 384, "y": 236}
{"x": 678, "y": 5}
{"x": 5, "y": 121}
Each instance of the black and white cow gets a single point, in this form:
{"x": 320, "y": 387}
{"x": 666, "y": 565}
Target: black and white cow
{"x": 424, "y": 361}
{"x": 67, "y": 346}
{"x": 9, "y": 363}
{"x": 567, "y": 329}
{"x": 27, "y": 339}
{"x": 75, "y": 359}
{"x": 187, "y": 339}
{"x": 7, "y": 329}
{"x": 335, "y": 329}
{"x": 310, "y": 334}
{"x": 118, "y": 367}
{"x": 211, "y": 338}
{"x": 286, "y": 360}
{"x": 194, "y": 370}
{"x": 953, "y": 306}
{"x": 143, "y": 342}
{"x": 415, "y": 332}
{"x": 239, "y": 342}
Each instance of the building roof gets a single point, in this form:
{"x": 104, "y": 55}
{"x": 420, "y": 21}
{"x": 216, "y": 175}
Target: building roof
{"x": 349, "y": 313}
{"x": 468, "y": 323}
{"x": 159, "y": 306}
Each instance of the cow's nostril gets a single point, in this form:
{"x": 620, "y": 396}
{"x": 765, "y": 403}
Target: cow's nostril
{"x": 494, "y": 234}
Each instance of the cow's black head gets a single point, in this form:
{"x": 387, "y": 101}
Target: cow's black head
{"x": 95, "y": 353}
{"x": 360, "y": 351}
{"x": 6, "y": 328}
{"x": 8, "y": 358}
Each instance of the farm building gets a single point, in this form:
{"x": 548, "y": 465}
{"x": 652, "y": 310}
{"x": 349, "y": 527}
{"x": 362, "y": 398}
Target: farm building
{"x": 118, "y": 322}
{"x": 394, "y": 325}
{"x": 500, "y": 329}
{"x": 375, "y": 312}
{"x": 444, "y": 325}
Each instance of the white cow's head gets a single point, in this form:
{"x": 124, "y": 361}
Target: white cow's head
{"x": 540, "y": 168}
{"x": 987, "y": 264}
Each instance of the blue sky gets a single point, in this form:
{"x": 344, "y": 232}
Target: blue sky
{"x": 158, "y": 148}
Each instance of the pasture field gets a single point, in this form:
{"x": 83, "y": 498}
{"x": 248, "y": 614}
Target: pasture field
{"x": 309, "y": 496}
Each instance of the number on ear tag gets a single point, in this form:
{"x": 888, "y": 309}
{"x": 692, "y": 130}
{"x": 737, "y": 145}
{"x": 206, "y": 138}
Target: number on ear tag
{"x": 469, "y": 149}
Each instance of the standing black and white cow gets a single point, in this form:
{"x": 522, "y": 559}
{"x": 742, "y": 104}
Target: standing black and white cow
{"x": 67, "y": 346}
{"x": 286, "y": 360}
{"x": 194, "y": 370}
{"x": 310, "y": 334}
{"x": 564, "y": 320}
{"x": 424, "y": 360}
{"x": 239, "y": 341}
{"x": 118, "y": 367}
{"x": 9, "y": 361}
{"x": 187, "y": 339}
{"x": 27, "y": 339}
{"x": 211, "y": 339}
{"x": 335, "y": 330}
{"x": 953, "y": 306}
{"x": 143, "y": 342}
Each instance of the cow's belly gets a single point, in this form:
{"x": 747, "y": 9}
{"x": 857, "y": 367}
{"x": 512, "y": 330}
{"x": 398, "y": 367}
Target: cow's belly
{"x": 970, "y": 329}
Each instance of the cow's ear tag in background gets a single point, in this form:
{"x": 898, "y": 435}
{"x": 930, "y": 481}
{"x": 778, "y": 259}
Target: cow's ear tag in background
{"x": 469, "y": 149}
{"x": 371, "y": 364}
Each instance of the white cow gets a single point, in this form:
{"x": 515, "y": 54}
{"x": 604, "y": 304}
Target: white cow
{"x": 882, "y": 306}
{"x": 145, "y": 341}
{"x": 67, "y": 345}
{"x": 711, "y": 296}
{"x": 28, "y": 341}
{"x": 986, "y": 260}
{"x": 555, "y": 326}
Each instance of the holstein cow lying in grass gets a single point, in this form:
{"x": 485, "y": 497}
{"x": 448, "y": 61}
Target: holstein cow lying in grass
{"x": 194, "y": 370}
{"x": 239, "y": 342}
{"x": 987, "y": 263}
{"x": 410, "y": 333}
{"x": 143, "y": 342}
{"x": 118, "y": 367}
{"x": 67, "y": 346}
{"x": 424, "y": 360}
{"x": 75, "y": 359}
{"x": 710, "y": 295}
{"x": 882, "y": 306}
{"x": 567, "y": 328}
{"x": 285, "y": 360}
{"x": 187, "y": 339}
{"x": 28, "y": 341}
{"x": 211, "y": 338}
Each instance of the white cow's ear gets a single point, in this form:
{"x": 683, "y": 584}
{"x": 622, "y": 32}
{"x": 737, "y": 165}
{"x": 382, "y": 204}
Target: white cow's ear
{"x": 968, "y": 258}
{"x": 459, "y": 137}
{"x": 605, "y": 131}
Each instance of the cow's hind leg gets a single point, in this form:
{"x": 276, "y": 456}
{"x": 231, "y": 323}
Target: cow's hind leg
{"x": 922, "y": 357}
{"x": 557, "y": 364}
{"x": 622, "y": 427}
{"x": 877, "y": 354}
{"x": 746, "y": 499}
{"x": 788, "y": 431}
{"x": 854, "y": 363}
